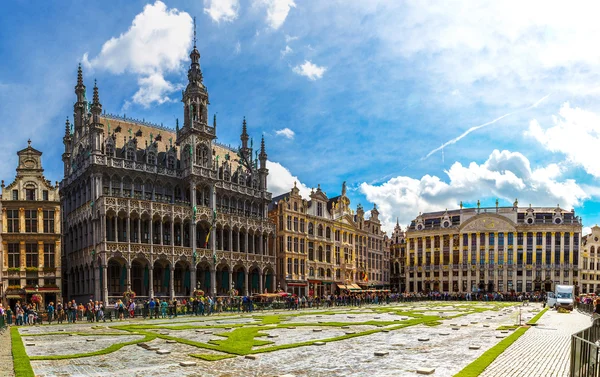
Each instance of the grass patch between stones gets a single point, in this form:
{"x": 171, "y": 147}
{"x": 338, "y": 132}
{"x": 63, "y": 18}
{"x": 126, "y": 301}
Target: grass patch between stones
{"x": 478, "y": 366}
{"x": 211, "y": 356}
{"x": 22, "y": 366}
{"x": 111, "y": 348}
{"x": 534, "y": 320}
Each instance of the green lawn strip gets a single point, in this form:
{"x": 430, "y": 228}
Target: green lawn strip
{"x": 478, "y": 366}
{"x": 508, "y": 327}
{"x": 22, "y": 366}
{"x": 211, "y": 356}
{"x": 534, "y": 320}
{"x": 110, "y": 349}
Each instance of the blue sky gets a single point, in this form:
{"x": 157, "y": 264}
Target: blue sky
{"x": 348, "y": 91}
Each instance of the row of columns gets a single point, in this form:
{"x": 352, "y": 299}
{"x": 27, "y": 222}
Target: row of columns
{"x": 494, "y": 275}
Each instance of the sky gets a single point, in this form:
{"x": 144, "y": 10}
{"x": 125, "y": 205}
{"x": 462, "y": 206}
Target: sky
{"x": 417, "y": 105}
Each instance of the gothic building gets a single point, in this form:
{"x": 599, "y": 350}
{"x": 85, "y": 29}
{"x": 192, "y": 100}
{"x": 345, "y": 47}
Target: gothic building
{"x": 162, "y": 211}
{"x": 30, "y": 233}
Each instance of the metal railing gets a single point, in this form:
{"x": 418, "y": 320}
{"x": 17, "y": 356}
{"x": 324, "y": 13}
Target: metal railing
{"x": 585, "y": 348}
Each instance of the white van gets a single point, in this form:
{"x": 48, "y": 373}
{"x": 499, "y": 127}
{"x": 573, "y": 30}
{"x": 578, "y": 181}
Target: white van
{"x": 562, "y": 297}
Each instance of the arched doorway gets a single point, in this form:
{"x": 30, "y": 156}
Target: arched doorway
{"x": 140, "y": 277}
{"x": 239, "y": 279}
{"x": 268, "y": 285}
{"x": 222, "y": 279}
{"x": 161, "y": 276}
{"x": 254, "y": 280}
{"x": 203, "y": 277}
{"x": 182, "y": 279}
{"x": 117, "y": 277}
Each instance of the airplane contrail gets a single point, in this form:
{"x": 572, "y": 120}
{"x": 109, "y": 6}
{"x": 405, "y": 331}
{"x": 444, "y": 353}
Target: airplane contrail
{"x": 475, "y": 128}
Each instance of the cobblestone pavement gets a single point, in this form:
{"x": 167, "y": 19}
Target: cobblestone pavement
{"x": 543, "y": 350}
{"x": 6, "y": 363}
{"x": 445, "y": 346}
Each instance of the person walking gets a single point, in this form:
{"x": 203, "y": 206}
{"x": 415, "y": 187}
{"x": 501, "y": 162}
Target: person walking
{"x": 50, "y": 310}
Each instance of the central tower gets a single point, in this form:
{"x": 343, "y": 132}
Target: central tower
{"x": 196, "y": 135}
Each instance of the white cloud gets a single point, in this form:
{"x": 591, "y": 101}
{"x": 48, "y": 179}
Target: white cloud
{"x": 310, "y": 70}
{"x": 156, "y": 43}
{"x": 277, "y": 11}
{"x": 286, "y": 132}
{"x": 154, "y": 89}
{"x": 238, "y": 48}
{"x": 505, "y": 175}
{"x": 576, "y": 134}
{"x": 286, "y": 51}
{"x": 289, "y": 38}
{"x": 222, "y": 10}
{"x": 280, "y": 180}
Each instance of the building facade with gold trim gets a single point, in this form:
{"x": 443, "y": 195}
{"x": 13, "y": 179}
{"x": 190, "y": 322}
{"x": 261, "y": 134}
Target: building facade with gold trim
{"x": 31, "y": 233}
{"x": 589, "y": 268}
{"x": 323, "y": 245}
{"x": 398, "y": 260}
{"x": 498, "y": 249}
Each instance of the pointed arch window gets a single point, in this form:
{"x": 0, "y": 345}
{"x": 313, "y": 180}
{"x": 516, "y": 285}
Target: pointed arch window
{"x": 171, "y": 162}
{"x": 151, "y": 158}
{"x": 202, "y": 156}
{"x": 130, "y": 154}
{"x": 109, "y": 149}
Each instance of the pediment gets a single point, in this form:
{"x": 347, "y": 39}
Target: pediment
{"x": 488, "y": 223}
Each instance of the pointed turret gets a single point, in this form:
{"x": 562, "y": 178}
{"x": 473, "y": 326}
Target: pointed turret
{"x": 96, "y": 105}
{"x": 263, "y": 171}
{"x": 215, "y": 123}
{"x": 67, "y": 128}
{"x": 67, "y": 141}
{"x": 244, "y": 136}
{"x": 80, "y": 88}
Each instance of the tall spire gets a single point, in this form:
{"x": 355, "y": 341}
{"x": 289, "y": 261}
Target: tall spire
{"x": 67, "y": 128}
{"x": 96, "y": 106}
{"x": 244, "y": 136}
{"x": 80, "y": 88}
{"x": 79, "y": 76}
{"x": 194, "y": 33}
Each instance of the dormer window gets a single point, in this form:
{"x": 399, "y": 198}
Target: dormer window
{"x": 320, "y": 209}
{"x": 171, "y": 162}
{"x": 130, "y": 154}
{"x": 151, "y": 158}
{"x": 109, "y": 150}
{"x": 29, "y": 194}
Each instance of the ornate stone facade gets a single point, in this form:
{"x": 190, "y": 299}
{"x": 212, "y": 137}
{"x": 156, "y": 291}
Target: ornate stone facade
{"x": 589, "y": 268}
{"x": 30, "y": 233}
{"x": 499, "y": 249}
{"x": 398, "y": 260}
{"x": 162, "y": 211}
{"x": 322, "y": 245}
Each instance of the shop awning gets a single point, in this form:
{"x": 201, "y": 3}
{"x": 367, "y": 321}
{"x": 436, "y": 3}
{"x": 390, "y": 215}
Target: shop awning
{"x": 296, "y": 284}
{"x": 14, "y": 296}
{"x": 341, "y": 286}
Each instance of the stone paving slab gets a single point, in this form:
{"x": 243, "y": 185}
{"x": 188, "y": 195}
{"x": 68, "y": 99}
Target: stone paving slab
{"x": 6, "y": 362}
{"x": 543, "y": 351}
{"x": 351, "y": 357}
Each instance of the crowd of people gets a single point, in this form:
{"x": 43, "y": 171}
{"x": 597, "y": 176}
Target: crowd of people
{"x": 22, "y": 314}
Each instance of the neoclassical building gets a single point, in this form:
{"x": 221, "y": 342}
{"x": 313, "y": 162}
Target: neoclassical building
{"x": 162, "y": 211}
{"x": 324, "y": 246}
{"x": 30, "y": 233}
{"x": 498, "y": 249}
